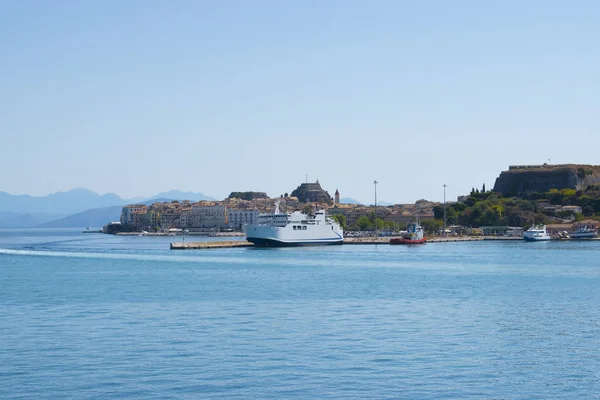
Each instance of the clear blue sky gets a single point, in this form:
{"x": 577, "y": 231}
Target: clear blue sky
{"x": 137, "y": 97}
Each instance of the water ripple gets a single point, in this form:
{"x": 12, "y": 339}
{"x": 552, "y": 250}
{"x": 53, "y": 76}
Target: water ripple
{"x": 479, "y": 321}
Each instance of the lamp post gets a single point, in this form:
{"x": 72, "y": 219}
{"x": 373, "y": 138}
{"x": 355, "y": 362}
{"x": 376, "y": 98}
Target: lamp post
{"x": 376, "y": 233}
{"x": 444, "y": 209}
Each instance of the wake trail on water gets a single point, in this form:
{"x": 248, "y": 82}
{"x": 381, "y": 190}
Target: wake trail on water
{"x": 253, "y": 262}
{"x": 264, "y": 261}
{"x": 120, "y": 256}
{"x": 270, "y": 260}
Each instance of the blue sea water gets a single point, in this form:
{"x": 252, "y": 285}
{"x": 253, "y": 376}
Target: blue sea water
{"x": 90, "y": 316}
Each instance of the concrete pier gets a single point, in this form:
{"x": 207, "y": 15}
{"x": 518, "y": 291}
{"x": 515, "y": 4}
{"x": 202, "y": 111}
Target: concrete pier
{"x": 210, "y": 245}
{"x": 351, "y": 240}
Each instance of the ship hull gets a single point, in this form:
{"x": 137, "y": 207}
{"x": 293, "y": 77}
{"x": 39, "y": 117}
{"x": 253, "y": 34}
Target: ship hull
{"x": 582, "y": 235}
{"x": 536, "y": 239}
{"x": 264, "y": 242}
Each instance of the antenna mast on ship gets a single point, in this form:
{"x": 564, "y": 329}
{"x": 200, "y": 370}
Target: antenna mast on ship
{"x": 277, "y": 206}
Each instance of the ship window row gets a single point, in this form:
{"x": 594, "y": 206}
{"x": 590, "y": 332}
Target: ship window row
{"x": 299, "y": 228}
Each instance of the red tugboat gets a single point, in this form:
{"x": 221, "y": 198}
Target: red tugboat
{"x": 414, "y": 235}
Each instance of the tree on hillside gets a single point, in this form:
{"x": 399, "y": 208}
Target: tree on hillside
{"x": 584, "y": 200}
{"x": 596, "y": 205}
{"x": 340, "y": 219}
{"x": 307, "y": 209}
{"x": 471, "y": 200}
{"x": 380, "y": 224}
{"x": 483, "y": 188}
{"x": 363, "y": 224}
{"x": 431, "y": 225}
{"x": 451, "y": 213}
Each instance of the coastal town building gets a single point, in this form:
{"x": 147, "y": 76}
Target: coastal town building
{"x": 185, "y": 219}
{"x": 209, "y": 215}
{"x": 353, "y": 212}
{"x": 233, "y": 213}
{"x": 402, "y": 218}
{"x": 244, "y": 207}
{"x": 572, "y": 209}
{"x": 170, "y": 219}
{"x": 127, "y": 213}
{"x": 236, "y": 218}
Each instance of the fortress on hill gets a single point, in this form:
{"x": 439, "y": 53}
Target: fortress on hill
{"x": 311, "y": 193}
{"x": 523, "y": 179}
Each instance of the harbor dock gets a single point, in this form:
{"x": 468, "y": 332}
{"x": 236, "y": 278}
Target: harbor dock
{"x": 362, "y": 240}
{"x": 210, "y": 245}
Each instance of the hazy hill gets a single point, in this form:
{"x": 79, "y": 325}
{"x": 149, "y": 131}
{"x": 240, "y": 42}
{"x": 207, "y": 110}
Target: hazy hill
{"x": 94, "y": 218}
{"x": 179, "y": 195}
{"x": 73, "y": 201}
{"x": 8, "y": 214}
{"x": 348, "y": 200}
{"x": 79, "y": 200}
{"x": 19, "y": 220}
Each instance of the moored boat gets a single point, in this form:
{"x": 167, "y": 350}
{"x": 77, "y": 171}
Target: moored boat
{"x": 414, "y": 235}
{"x": 293, "y": 229}
{"x": 584, "y": 232}
{"x": 536, "y": 233}
{"x": 90, "y": 230}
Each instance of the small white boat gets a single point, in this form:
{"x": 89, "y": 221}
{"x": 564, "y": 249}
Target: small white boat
{"x": 536, "y": 233}
{"x": 583, "y": 233}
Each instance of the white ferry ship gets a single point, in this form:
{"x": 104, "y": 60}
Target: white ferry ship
{"x": 295, "y": 229}
{"x": 536, "y": 233}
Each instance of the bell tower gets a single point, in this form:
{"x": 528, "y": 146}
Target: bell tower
{"x": 337, "y": 196}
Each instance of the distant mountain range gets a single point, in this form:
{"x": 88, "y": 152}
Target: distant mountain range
{"x": 96, "y": 217}
{"x": 70, "y": 202}
{"x": 349, "y": 200}
{"x": 26, "y": 220}
{"x": 76, "y": 208}
{"x": 178, "y": 195}
{"x": 78, "y": 200}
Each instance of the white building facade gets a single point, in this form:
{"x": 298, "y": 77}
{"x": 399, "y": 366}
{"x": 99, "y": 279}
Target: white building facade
{"x": 209, "y": 216}
{"x": 236, "y": 218}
